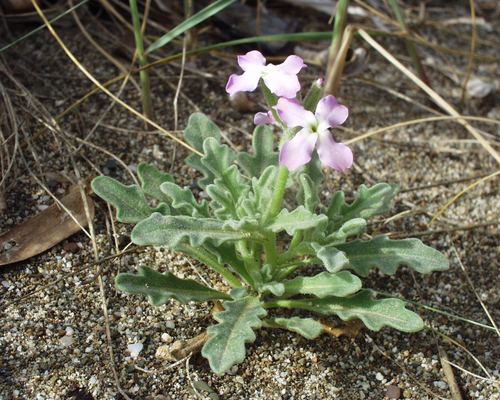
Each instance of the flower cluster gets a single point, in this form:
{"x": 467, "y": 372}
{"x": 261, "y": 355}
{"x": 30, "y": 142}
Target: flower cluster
{"x": 314, "y": 133}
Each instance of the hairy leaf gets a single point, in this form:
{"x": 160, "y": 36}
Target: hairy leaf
{"x": 353, "y": 227}
{"x": 225, "y": 346}
{"x": 388, "y": 255}
{"x": 159, "y": 288}
{"x": 151, "y": 179}
{"x": 298, "y": 219}
{"x": 159, "y": 230}
{"x": 324, "y": 284}
{"x": 308, "y": 193}
{"x": 263, "y": 154}
{"x": 129, "y": 201}
{"x": 333, "y": 259}
{"x": 259, "y": 197}
{"x": 374, "y": 313}
{"x": 307, "y": 327}
{"x": 276, "y": 288}
{"x": 182, "y": 200}
{"x": 368, "y": 203}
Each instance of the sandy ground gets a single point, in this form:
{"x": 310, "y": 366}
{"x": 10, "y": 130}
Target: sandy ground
{"x": 53, "y": 341}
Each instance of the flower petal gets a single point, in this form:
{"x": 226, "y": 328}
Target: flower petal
{"x": 298, "y": 151}
{"x": 252, "y": 60}
{"x": 292, "y": 65}
{"x": 247, "y": 82}
{"x": 329, "y": 110}
{"x": 282, "y": 84}
{"x": 264, "y": 118}
{"x": 332, "y": 154}
{"x": 293, "y": 114}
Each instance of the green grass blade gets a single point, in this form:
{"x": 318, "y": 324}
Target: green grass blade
{"x": 189, "y": 23}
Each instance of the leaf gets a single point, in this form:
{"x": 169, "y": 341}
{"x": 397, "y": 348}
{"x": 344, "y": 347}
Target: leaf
{"x": 368, "y": 203}
{"x": 353, "y": 227}
{"x": 324, "y": 284}
{"x": 333, "y": 259}
{"x": 308, "y": 193}
{"x": 225, "y": 346}
{"x": 129, "y": 201}
{"x": 189, "y": 23}
{"x": 307, "y": 327}
{"x": 263, "y": 154}
{"x": 182, "y": 200}
{"x": 46, "y": 229}
{"x": 388, "y": 255}
{"x": 159, "y": 230}
{"x": 298, "y": 219}
{"x": 151, "y": 179}
{"x": 198, "y": 129}
{"x": 261, "y": 194}
{"x": 374, "y": 313}
{"x": 159, "y": 288}
{"x": 275, "y": 288}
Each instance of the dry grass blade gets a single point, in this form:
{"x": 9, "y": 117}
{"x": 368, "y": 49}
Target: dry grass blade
{"x": 461, "y": 193}
{"x": 450, "y": 376}
{"x": 101, "y": 87}
{"x": 441, "y": 102}
{"x": 473, "y": 41}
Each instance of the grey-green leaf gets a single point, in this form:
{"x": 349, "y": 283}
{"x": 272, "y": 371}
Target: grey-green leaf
{"x": 307, "y": 327}
{"x": 368, "y": 203}
{"x": 159, "y": 230}
{"x": 159, "y": 288}
{"x": 182, "y": 200}
{"x": 353, "y": 227}
{"x": 308, "y": 193}
{"x": 129, "y": 201}
{"x": 324, "y": 284}
{"x": 225, "y": 346}
{"x": 263, "y": 154}
{"x": 375, "y": 313}
{"x": 151, "y": 179}
{"x": 388, "y": 255}
{"x": 298, "y": 219}
{"x": 333, "y": 259}
{"x": 199, "y": 128}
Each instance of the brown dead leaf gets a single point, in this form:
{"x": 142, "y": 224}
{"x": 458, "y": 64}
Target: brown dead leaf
{"x": 45, "y": 229}
{"x": 350, "y": 329}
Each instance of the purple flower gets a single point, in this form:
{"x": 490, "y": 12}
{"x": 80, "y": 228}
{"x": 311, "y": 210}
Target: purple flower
{"x": 281, "y": 79}
{"x": 314, "y": 133}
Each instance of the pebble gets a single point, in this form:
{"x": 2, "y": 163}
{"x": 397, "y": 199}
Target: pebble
{"x": 135, "y": 349}
{"x": 165, "y": 337}
{"x": 71, "y": 247}
{"x": 440, "y": 385}
{"x": 379, "y": 376}
{"x": 66, "y": 341}
{"x": 393, "y": 392}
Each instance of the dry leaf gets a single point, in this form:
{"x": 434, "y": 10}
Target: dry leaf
{"x": 44, "y": 230}
{"x": 350, "y": 329}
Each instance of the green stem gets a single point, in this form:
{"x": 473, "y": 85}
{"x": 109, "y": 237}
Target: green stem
{"x": 278, "y": 194}
{"x": 207, "y": 259}
{"x": 270, "y": 249}
{"x": 147, "y": 107}
{"x": 251, "y": 266}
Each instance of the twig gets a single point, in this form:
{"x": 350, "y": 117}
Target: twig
{"x": 450, "y": 376}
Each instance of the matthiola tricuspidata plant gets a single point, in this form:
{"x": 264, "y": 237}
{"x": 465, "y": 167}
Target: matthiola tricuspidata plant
{"x": 263, "y": 228}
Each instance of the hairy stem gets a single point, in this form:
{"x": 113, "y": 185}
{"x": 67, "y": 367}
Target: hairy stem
{"x": 278, "y": 194}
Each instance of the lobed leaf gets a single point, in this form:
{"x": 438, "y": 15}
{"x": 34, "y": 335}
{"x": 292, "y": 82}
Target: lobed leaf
{"x": 368, "y": 203}
{"x": 307, "y": 327}
{"x": 387, "y": 255}
{"x": 169, "y": 231}
{"x": 374, "y": 313}
{"x": 263, "y": 154}
{"x": 225, "y": 346}
{"x": 182, "y": 200}
{"x": 324, "y": 284}
{"x": 129, "y": 201}
{"x": 333, "y": 259}
{"x": 298, "y": 219}
{"x": 308, "y": 193}
{"x": 151, "y": 179}
{"x": 159, "y": 288}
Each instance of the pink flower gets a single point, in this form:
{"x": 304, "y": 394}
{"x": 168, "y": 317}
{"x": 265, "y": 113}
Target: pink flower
{"x": 314, "y": 134}
{"x": 281, "y": 79}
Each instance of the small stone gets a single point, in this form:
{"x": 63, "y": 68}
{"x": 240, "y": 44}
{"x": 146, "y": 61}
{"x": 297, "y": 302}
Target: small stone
{"x": 440, "y": 385}
{"x": 135, "y": 349}
{"x": 66, "y": 341}
{"x": 69, "y": 331}
{"x": 71, "y": 247}
{"x": 406, "y": 394}
{"x": 165, "y": 337}
{"x": 379, "y": 376}
{"x": 393, "y": 392}
{"x": 170, "y": 325}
